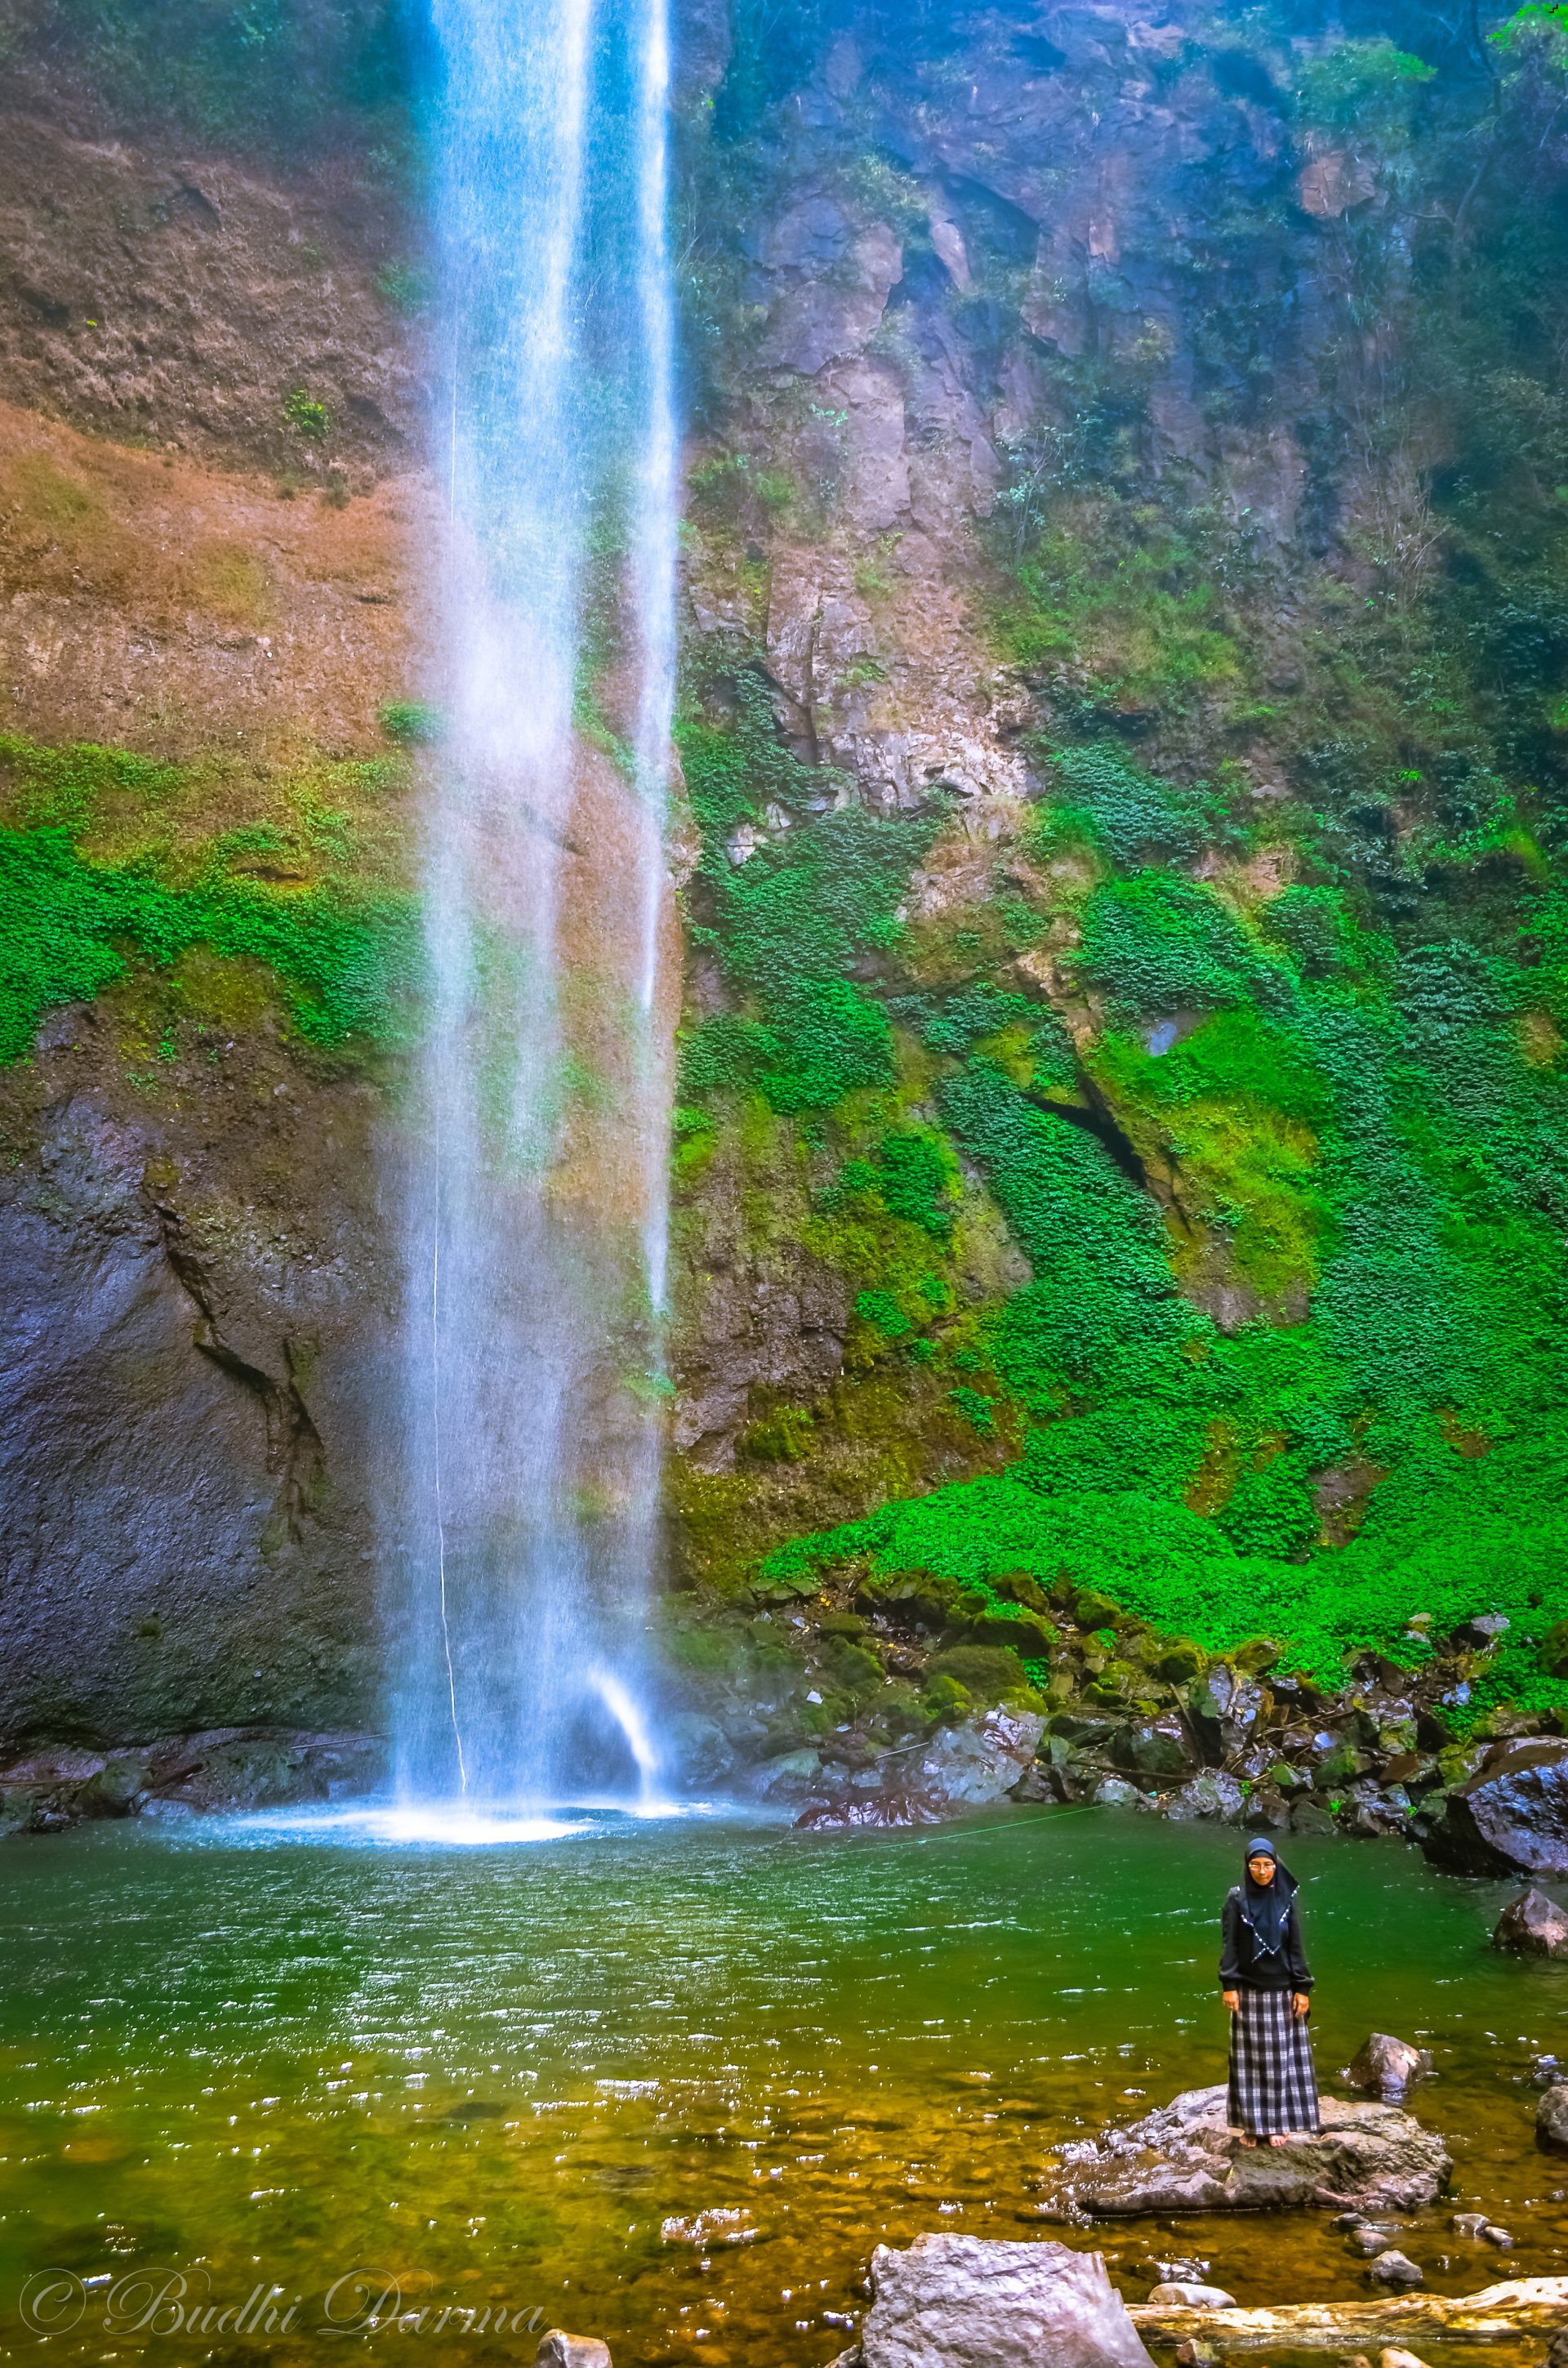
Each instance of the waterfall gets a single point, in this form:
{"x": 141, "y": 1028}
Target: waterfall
{"x": 526, "y": 1501}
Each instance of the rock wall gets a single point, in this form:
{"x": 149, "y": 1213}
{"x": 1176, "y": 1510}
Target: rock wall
{"x": 1118, "y": 1144}
{"x": 198, "y": 1283}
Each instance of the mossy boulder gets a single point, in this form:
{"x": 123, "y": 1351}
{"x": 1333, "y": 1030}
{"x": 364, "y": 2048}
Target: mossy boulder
{"x": 946, "y": 1699}
{"x": 1022, "y": 1587}
{"x": 1032, "y": 1640}
{"x": 920, "y": 1597}
{"x": 1179, "y": 1663}
{"x": 987, "y": 1672}
{"x": 850, "y": 1667}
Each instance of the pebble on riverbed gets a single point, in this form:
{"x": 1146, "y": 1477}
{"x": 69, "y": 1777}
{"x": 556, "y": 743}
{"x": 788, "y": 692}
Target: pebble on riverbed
{"x": 1185, "y": 2293}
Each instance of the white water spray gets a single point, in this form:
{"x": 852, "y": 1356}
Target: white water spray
{"x": 537, "y": 1229}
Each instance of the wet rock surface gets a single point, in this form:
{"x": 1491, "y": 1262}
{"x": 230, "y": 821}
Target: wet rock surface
{"x": 558, "y": 2349}
{"x": 1532, "y": 1926}
{"x": 1510, "y": 1816}
{"x": 1552, "y": 2119}
{"x": 1386, "y": 2066}
{"x": 1185, "y": 2158}
{"x": 965, "y": 1767}
{"x": 230, "y": 1768}
{"x": 970, "y": 2302}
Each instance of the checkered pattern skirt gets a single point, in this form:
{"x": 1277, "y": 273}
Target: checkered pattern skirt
{"x": 1273, "y": 2087}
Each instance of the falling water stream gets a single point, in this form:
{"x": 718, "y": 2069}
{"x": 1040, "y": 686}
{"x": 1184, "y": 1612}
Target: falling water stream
{"x": 526, "y": 1514}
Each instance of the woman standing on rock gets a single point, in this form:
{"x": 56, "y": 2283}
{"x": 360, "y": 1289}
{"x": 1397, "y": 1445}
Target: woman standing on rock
{"x": 1267, "y": 1987}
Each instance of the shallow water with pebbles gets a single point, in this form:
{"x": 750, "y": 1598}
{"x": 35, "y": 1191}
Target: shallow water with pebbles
{"x": 262, "y": 2084}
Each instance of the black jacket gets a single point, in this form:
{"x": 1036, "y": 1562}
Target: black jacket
{"x": 1244, "y": 1966}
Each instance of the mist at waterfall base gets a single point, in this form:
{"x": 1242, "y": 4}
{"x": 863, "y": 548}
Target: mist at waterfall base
{"x": 523, "y": 1525}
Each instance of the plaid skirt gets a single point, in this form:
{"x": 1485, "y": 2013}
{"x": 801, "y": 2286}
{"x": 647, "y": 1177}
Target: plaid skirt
{"x": 1273, "y": 2087}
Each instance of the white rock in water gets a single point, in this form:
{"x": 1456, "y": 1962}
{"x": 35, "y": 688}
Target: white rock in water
{"x": 979, "y": 2302}
{"x": 1183, "y": 2293}
{"x": 560, "y": 2349}
{"x": 1390, "y": 2356}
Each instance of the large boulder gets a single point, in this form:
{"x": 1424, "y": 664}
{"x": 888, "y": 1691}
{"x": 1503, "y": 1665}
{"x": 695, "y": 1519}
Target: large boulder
{"x": 1184, "y": 2157}
{"x": 1511, "y": 1817}
{"x": 976, "y": 2302}
{"x": 1552, "y": 2119}
{"x": 1532, "y": 1926}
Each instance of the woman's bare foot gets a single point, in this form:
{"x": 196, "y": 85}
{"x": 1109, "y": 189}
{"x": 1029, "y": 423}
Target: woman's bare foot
{"x": 1280, "y": 2140}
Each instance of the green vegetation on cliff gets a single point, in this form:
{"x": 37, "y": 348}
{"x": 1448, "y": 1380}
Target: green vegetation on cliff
{"x": 104, "y": 867}
{"x": 1279, "y": 1114}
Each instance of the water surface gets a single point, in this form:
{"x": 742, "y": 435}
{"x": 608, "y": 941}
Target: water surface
{"x": 479, "y": 2080}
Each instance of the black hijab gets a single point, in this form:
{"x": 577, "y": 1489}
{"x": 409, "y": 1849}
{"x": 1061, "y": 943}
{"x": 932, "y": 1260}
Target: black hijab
{"x": 1266, "y": 1905}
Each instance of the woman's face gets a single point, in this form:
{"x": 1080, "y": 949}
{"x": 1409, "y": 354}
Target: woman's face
{"x": 1261, "y": 1870}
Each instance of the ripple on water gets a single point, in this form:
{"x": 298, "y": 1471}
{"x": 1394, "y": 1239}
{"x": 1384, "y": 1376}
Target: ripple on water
{"x": 493, "y": 2070}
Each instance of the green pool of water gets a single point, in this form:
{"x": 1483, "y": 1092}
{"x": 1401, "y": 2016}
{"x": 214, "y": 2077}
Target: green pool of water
{"x": 479, "y": 2081}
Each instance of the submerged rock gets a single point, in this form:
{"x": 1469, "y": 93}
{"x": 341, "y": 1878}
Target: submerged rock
{"x": 1387, "y": 2066}
{"x": 1511, "y": 1817}
{"x": 560, "y": 2349}
{"x": 1532, "y": 1925}
{"x": 1184, "y": 2157}
{"x": 977, "y": 2302}
{"x": 1392, "y": 2268}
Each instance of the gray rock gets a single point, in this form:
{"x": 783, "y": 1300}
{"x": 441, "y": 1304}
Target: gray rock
{"x": 1187, "y": 2294}
{"x": 964, "y": 1767}
{"x": 1116, "y": 1793}
{"x": 1184, "y": 2157}
{"x": 1552, "y": 2119}
{"x": 1533, "y": 1926}
{"x": 1511, "y": 1817}
{"x": 1498, "y": 2237}
{"x": 1468, "y": 2224}
{"x": 793, "y": 1772}
{"x": 974, "y": 2302}
{"x": 1369, "y": 2241}
{"x": 1159, "y": 1747}
{"x": 560, "y": 2349}
{"x": 1212, "y": 1796}
{"x": 1386, "y": 2066}
{"x": 1310, "y": 1816}
{"x": 1394, "y": 2269}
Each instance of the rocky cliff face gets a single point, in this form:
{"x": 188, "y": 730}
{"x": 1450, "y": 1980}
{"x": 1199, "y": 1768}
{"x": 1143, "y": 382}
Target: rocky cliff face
{"x": 1120, "y": 1117}
{"x": 204, "y": 609}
